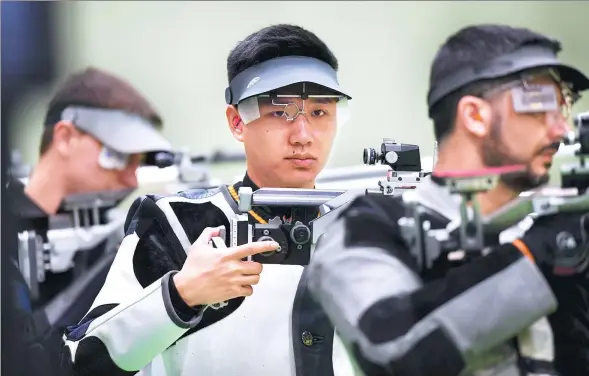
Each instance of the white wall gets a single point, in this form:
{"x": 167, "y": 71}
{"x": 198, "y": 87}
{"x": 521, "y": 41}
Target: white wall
{"x": 175, "y": 53}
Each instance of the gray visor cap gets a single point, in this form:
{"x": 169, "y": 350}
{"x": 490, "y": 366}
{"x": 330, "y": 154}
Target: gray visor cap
{"x": 119, "y": 130}
{"x": 525, "y": 58}
{"x": 280, "y": 72}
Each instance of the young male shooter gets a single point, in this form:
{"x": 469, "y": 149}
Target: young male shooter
{"x": 96, "y": 129}
{"x": 285, "y": 105}
{"x": 402, "y": 320}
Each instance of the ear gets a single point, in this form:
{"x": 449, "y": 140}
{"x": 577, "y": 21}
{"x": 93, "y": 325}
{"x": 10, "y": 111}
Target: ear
{"x": 474, "y": 114}
{"x": 64, "y": 133}
{"x": 235, "y": 123}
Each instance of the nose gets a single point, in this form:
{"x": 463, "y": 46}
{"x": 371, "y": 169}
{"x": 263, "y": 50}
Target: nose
{"x": 128, "y": 176}
{"x": 129, "y": 179}
{"x": 301, "y": 133}
{"x": 558, "y": 127}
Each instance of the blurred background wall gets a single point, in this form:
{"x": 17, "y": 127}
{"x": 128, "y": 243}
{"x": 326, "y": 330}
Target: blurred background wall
{"x": 175, "y": 53}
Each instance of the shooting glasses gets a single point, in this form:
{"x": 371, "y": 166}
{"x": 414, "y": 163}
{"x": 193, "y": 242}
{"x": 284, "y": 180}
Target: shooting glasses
{"x": 554, "y": 100}
{"x": 287, "y": 87}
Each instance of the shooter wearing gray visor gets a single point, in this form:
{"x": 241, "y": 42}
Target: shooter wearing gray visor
{"x": 96, "y": 129}
{"x": 190, "y": 309}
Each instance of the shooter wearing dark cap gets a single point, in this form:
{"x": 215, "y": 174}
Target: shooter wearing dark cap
{"x": 498, "y": 97}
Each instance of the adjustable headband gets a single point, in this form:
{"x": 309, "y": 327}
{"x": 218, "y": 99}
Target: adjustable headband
{"x": 280, "y": 72}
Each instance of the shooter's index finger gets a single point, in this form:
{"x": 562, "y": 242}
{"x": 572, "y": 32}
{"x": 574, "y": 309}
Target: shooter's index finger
{"x": 208, "y": 233}
{"x": 253, "y": 248}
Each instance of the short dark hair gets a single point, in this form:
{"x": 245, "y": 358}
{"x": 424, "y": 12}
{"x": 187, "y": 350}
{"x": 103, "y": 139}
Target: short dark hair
{"x": 475, "y": 45}
{"x": 96, "y": 88}
{"x": 275, "y": 41}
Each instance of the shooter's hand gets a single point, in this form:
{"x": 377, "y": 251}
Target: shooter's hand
{"x": 212, "y": 275}
{"x": 558, "y": 243}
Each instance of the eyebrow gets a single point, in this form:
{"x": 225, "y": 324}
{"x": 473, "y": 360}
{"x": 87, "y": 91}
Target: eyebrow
{"x": 324, "y": 100}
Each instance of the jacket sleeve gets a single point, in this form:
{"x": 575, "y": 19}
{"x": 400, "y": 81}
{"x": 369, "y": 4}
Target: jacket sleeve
{"x": 365, "y": 279}
{"x": 134, "y": 317}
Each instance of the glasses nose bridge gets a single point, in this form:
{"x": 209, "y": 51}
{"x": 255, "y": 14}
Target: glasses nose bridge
{"x": 292, "y": 111}
{"x": 558, "y": 124}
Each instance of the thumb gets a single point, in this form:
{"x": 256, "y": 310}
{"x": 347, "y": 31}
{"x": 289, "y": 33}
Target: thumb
{"x": 207, "y": 234}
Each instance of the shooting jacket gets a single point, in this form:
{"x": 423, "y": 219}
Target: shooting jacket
{"x": 139, "y": 325}
{"x": 399, "y": 320}
{"x": 31, "y": 336}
